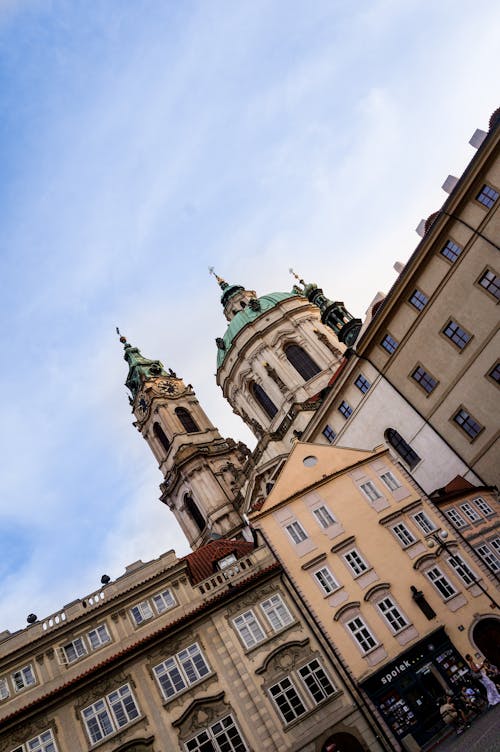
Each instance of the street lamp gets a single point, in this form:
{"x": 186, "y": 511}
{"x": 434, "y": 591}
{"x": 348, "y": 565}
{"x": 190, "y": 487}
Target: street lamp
{"x": 439, "y": 540}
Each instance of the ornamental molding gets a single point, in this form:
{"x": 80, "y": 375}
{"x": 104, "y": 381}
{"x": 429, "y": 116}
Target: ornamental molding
{"x": 100, "y": 689}
{"x": 249, "y": 599}
{"x": 137, "y": 745}
{"x": 343, "y": 611}
{"x": 202, "y": 712}
{"x": 25, "y": 731}
{"x": 380, "y": 588}
{"x": 170, "y": 647}
{"x": 284, "y": 658}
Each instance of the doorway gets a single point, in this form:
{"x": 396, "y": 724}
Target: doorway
{"x": 486, "y": 635}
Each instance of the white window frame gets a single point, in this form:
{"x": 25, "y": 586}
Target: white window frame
{"x": 249, "y": 629}
{"x": 106, "y": 707}
{"x": 324, "y": 517}
{"x": 77, "y": 649}
{"x": 441, "y": 583}
{"x": 455, "y": 518}
{"x": 483, "y": 506}
{"x": 403, "y": 534}
{"x": 495, "y": 544}
{"x": 4, "y": 688}
{"x": 27, "y": 676}
{"x": 211, "y": 734}
{"x": 296, "y": 532}
{"x": 362, "y": 634}
{"x": 285, "y": 689}
{"x": 355, "y": 562}
{"x": 276, "y": 612}
{"x": 392, "y": 614}
{"x": 390, "y": 480}
{"x": 41, "y": 743}
{"x": 470, "y": 512}
{"x": 488, "y": 556}
{"x": 227, "y": 561}
{"x": 326, "y": 580}
{"x": 144, "y": 612}
{"x": 462, "y": 570}
{"x": 98, "y": 632}
{"x": 370, "y": 490}
{"x": 189, "y": 665}
{"x": 424, "y": 522}
{"x": 317, "y": 676}
{"x": 164, "y": 601}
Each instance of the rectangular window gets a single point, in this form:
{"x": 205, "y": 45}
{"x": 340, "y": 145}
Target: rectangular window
{"x": 181, "y": 670}
{"x": 455, "y": 518}
{"x": 424, "y": 523}
{"x": 469, "y": 512}
{"x": 324, "y": 517}
{"x": 23, "y": 678}
{"x": 362, "y": 383}
{"x": 43, "y": 743}
{"x": 110, "y": 713}
{"x": 390, "y": 481}
{"x": 296, "y": 532}
{"x": 488, "y": 556}
{"x": 142, "y": 612}
{"x": 451, "y": 251}
{"x": 329, "y": 434}
{"x": 403, "y": 534}
{"x": 495, "y": 544}
{"x": 487, "y": 196}
{"x": 419, "y": 300}
{"x": 392, "y": 614}
{"x": 466, "y": 422}
{"x": 424, "y": 379}
{"x": 287, "y": 700}
{"x": 223, "y": 736}
{"x": 440, "y": 582}
{"x": 98, "y": 636}
{"x": 491, "y": 283}
{"x": 316, "y": 681}
{"x": 75, "y": 650}
{"x": 163, "y": 601}
{"x": 4, "y": 689}
{"x": 494, "y": 374}
{"x": 361, "y": 634}
{"x": 389, "y": 344}
{"x": 456, "y": 334}
{"x": 483, "y": 506}
{"x": 326, "y": 580}
{"x": 370, "y": 490}
{"x": 462, "y": 569}
{"x": 276, "y": 612}
{"x": 356, "y": 562}
{"x": 345, "y": 409}
{"x": 249, "y": 629}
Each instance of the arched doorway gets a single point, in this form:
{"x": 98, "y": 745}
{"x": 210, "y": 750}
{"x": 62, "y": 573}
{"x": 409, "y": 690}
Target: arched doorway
{"x": 486, "y": 635}
{"x": 342, "y": 742}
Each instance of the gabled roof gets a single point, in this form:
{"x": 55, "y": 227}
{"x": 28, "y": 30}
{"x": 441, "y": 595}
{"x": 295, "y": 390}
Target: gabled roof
{"x": 202, "y": 563}
{"x": 457, "y": 487}
{"x": 299, "y": 474}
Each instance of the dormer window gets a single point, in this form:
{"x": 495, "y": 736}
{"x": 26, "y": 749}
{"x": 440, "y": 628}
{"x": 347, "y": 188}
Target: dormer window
{"x": 226, "y": 561}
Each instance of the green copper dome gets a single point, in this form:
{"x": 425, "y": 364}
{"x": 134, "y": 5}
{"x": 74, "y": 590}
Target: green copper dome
{"x": 246, "y": 316}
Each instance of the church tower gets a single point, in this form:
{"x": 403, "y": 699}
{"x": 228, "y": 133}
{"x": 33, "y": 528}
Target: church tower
{"x": 201, "y": 469}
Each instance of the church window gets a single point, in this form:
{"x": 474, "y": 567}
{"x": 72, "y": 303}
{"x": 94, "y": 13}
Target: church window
{"x": 161, "y": 436}
{"x": 23, "y": 678}
{"x": 186, "y": 419}
{"x": 402, "y": 447}
{"x": 249, "y": 629}
{"x": 329, "y": 434}
{"x": 75, "y": 650}
{"x": 164, "y": 600}
{"x": 99, "y": 636}
{"x": 451, "y": 251}
{"x": 194, "y": 512}
{"x": 44, "y": 742}
{"x": 110, "y": 713}
{"x": 276, "y": 612}
{"x": 141, "y": 612}
{"x": 487, "y": 196}
{"x": 466, "y": 422}
{"x": 287, "y": 700}
{"x": 181, "y": 670}
{"x": 419, "y": 300}
{"x": 264, "y": 400}
{"x": 490, "y": 282}
{"x": 316, "y": 681}
{"x": 223, "y": 736}
{"x": 389, "y": 344}
{"x": 440, "y": 582}
{"x": 302, "y": 361}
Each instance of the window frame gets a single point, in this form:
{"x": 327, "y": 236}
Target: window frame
{"x": 21, "y": 671}
{"x": 42, "y": 743}
{"x": 458, "y": 337}
{"x": 292, "y": 526}
{"x": 403, "y": 534}
{"x": 326, "y": 574}
{"x": 345, "y": 409}
{"x": 315, "y": 672}
{"x": 329, "y": 433}
{"x": 5, "y": 694}
{"x": 389, "y": 344}
{"x": 470, "y": 512}
{"x": 177, "y": 665}
{"x": 488, "y": 556}
{"x": 247, "y": 617}
{"x": 428, "y": 525}
{"x": 461, "y": 568}
{"x": 72, "y": 644}
{"x": 212, "y": 736}
{"x": 493, "y": 284}
{"x": 373, "y": 494}
{"x": 455, "y": 518}
{"x": 462, "y": 417}
{"x": 161, "y": 596}
{"x": 438, "y": 580}
{"x": 140, "y": 608}
{"x": 420, "y": 304}
{"x": 101, "y": 642}
{"x": 392, "y": 480}
{"x": 392, "y": 612}
{"x": 478, "y": 501}
{"x": 362, "y": 384}
{"x": 323, "y": 514}
{"x": 451, "y": 251}
{"x": 276, "y": 602}
{"x": 492, "y": 372}
{"x": 485, "y": 200}
{"x": 402, "y": 448}
{"x": 361, "y": 627}
{"x": 423, "y": 379}
{"x": 357, "y": 558}
{"x": 284, "y": 692}
{"x": 108, "y": 710}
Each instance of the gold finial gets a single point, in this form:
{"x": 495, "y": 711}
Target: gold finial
{"x": 296, "y": 276}
{"x": 123, "y": 339}
{"x": 219, "y": 279}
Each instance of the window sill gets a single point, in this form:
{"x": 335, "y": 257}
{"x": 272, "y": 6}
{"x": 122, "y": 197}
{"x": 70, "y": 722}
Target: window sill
{"x": 115, "y": 734}
{"x": 185, "y": 691}
{"x": 308, "y": 713}
{"x": 269, "y": 638}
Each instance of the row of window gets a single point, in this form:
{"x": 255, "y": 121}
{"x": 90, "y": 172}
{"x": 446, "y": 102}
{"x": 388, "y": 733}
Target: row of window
{"x": 249, "y": 627}
{"x": 490, "y": 554}
{"x": 187, "y": 421}
{"x": 470, "y": 512}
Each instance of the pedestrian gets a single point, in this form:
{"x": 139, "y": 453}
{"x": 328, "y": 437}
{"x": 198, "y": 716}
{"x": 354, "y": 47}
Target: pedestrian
{"x": 450, "y": 715}
{"x": 479, "y": 672}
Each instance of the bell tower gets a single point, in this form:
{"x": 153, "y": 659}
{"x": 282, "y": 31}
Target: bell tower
{"x": 201, "y": 469}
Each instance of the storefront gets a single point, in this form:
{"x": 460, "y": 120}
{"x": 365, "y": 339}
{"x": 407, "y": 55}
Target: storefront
{"x": 407, "y": 691}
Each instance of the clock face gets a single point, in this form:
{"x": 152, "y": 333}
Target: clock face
{"x": 143, "y": 404}
{"x": 168, "y": 387}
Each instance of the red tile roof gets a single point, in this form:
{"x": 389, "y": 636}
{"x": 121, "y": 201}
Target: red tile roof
{"x": 202, "y": 563}
{"x": 457, "y": 485}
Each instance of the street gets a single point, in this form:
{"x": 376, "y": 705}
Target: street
{"x": 483, "y": 736}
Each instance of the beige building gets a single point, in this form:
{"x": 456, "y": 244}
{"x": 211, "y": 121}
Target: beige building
{"x": 208, "y": 652}
{"x": 401, "y": 602}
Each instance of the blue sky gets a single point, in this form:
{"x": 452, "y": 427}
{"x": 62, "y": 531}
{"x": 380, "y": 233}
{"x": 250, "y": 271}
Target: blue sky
{"x": 141, "y": 142}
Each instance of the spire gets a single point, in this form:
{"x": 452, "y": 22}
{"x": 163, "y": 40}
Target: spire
{"x": 140, "y": 368}
{"x": 227, "y": 290}
{"x": 334, "y": 314}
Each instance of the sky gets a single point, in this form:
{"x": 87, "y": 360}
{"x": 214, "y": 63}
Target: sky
{"x": 142, "y": 142}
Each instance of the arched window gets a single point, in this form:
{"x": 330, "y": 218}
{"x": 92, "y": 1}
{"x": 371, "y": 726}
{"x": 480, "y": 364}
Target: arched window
{"x": 186, "y": 419}
{"x": 402, "y": 447}
{"x": 302, "y": 362}
{"x": 194, "y": 512}
{"x": 161, "y": 436}
{"x": 264, "y": 401}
